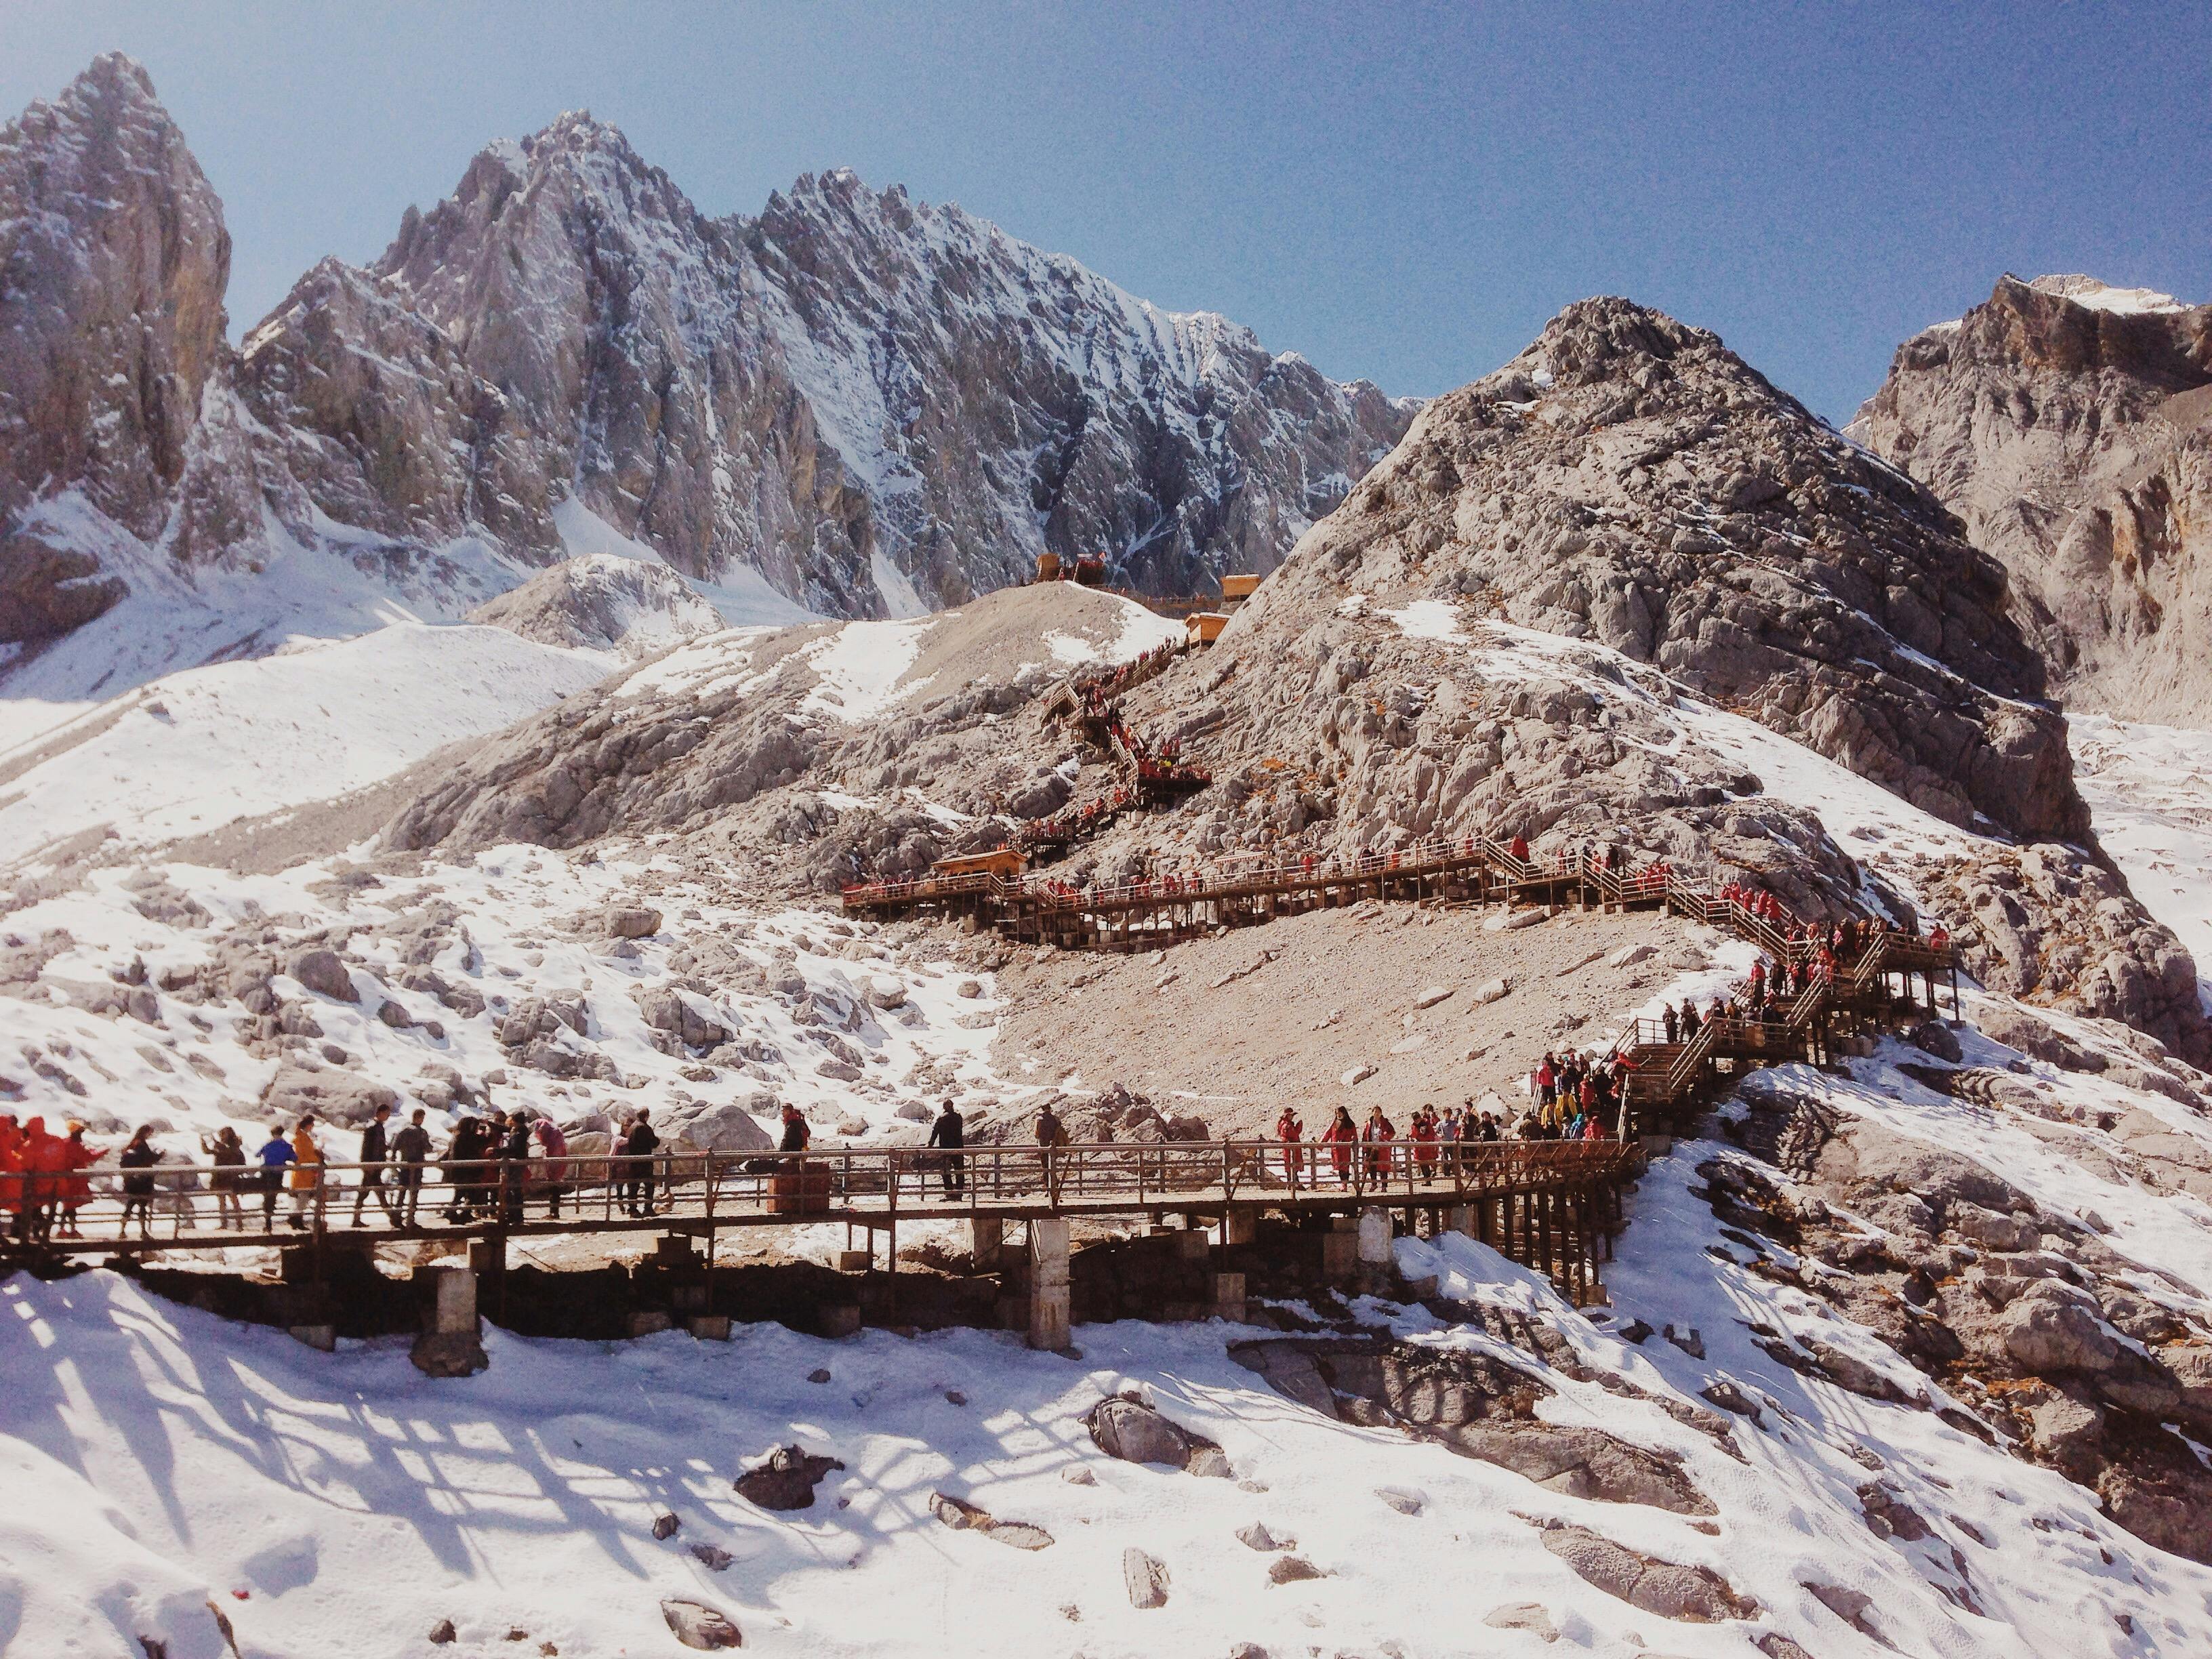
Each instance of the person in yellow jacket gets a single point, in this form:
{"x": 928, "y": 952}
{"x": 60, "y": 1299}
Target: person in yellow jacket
{"x": 306, "y": 1170}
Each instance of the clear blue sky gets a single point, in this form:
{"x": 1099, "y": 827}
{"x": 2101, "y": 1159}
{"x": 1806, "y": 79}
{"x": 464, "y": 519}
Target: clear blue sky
{"x": 1405, "y": 192}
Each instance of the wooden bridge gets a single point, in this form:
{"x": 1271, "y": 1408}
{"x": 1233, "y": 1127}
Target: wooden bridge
{"x": 1667, "y": 1077}
{"x": 1553, "y": 1206}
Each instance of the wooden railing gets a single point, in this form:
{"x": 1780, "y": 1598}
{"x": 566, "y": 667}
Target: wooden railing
{"x": 207, "y": 1205}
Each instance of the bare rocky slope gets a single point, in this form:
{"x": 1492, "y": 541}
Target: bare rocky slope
{"x": 2069, "y": 425}
{"x": 1527, "y": 619}
{"x": 854, "y": 402}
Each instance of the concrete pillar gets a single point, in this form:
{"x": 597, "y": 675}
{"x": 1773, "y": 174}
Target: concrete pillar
{"x": 1049, "y": 1324}
{"x": 1229, "y": 1298}
{"x": 1376, "y": 1261}
{"x": 1240, "y": 1227}
{"x": 986, "y": 1240}
{"x": 449, "y": 1345}
{"x": 1374, "y": 1237}
{"x": 453, "y": 1305}
{"x": 1340, "y": 1257}
{"x": 1460, "y": 1218}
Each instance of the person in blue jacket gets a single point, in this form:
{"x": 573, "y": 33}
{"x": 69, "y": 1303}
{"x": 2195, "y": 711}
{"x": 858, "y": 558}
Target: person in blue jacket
{"x": 275, "y": 1153}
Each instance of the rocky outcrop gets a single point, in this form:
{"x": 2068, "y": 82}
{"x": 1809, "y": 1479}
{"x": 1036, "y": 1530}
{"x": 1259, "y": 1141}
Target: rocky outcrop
{"x": 784, "y": 1479}
{"x": 602, "y": 603}
{"x": 1628, "y": 479}
{"x": 2069, "y": 425}
{"x": 113, "y": 259}
{"x": 2028, "y": 1317}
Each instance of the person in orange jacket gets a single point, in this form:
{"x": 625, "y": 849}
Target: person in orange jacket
{"x": 75, "y": 1186}
{"x": 306, "y": 1170}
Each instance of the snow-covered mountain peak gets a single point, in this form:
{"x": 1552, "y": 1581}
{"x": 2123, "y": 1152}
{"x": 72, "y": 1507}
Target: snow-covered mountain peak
{"x": 2098, "y": 295}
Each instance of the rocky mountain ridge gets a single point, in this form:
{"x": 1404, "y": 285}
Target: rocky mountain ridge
{"x": 2070, "y": 424}
{"x": 852, "y": 405}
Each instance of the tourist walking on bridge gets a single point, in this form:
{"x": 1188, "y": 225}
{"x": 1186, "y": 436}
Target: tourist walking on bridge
{"x": 275, "y": 1153}
{"x": 227, "y": 1153}
{"x": 375, "y": 1149}
{"x": 137, "y": 1160}
{"x": 638, "y": 1146}
{"x": 306, "y": 1170}
{"x": 1342, "y": 1134}
{"x": 554, "y": 1145}
{"x": 1379, "y": 1132}
{"x": 77, "y": 1185}
{"x": 1290, "y": 1132}
{"x": 947, "y": 1138}
{"x": 412, "y": 1146}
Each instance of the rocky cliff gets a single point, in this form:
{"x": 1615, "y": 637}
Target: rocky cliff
{"x": 864, "y": 404}
{"x": 2069, "y": 425}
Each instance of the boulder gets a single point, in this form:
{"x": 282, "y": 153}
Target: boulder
{"x": 1665, "y": 1589}
{"x": 1136, "y": 1433}
{"x": 1491, "y": 990}
{"x": 1292, "y": 1570}
{"x": 1257, "y": 1537}
{"x": 336, "y": 1096}
{"x": 2053, "y": 1327}
{"x": 884, "y": 992}
{"x": 449, "y": 1353}
{"x": 697, "y": 1626}
{"x": 1431, "y": 997}
{"x": 784, "y": 1479}
{"x": 1145, "y": 1578}
{"x": 630, "y": 921}
{"x": 1934, "y": 1037}
{"x": 325, "y": 973}
{"x": 1531, "y": 1616}
{"x": 726, "y": 1128}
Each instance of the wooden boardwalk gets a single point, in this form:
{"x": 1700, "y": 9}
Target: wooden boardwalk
{"x": 1667, "y": 1078}
{"x": 1551, "y": 1204}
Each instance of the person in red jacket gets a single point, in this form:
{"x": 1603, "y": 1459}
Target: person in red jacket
{"x": 1342, "y": 1134}
{"x": 46, "y": 1162}
{"x": 12, "y": 1199}
{"x": 1290, "y": 1131}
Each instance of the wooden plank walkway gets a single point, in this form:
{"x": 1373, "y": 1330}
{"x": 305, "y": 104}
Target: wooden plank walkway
{"x": 1667, "y": 1077}
{"x": 1552, "y": 1203}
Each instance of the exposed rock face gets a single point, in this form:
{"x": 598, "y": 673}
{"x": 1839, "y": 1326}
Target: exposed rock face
{"x": 113, "y": 259}
{"x": 2069, "y": 425}
{"x": 854, "y": 402}
{"x": 2030, "y": 1315}
{"x": 1628, "y": 479}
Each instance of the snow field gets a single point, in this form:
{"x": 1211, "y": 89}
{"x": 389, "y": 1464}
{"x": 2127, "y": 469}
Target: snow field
{"x": 197, "y": 750}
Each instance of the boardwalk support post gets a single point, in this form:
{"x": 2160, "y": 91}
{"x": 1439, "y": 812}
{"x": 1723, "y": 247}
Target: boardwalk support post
{"x": 1373, "y": 1249}
{"x": 987, "y": 1238}
{"x": 1049, "y": 1307}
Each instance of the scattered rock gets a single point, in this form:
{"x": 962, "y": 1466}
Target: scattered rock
{"x": 712, "y": 1556}
{"x": 1293, "y": 1570}
{"x": 963, "y": 1517}
{"x": 1145, "y": 1578}
{"x": 785, "y": 1480}
{"x": 1851, "y": 1606}
{"x": 968, "y": 989}
{"x": 1730, "y": 1397}
{"x": 631, "y": 921}
{"x": 1135, "y": 1433}
{"x": 702, "y": 1627}
{"x": 666, "y": 1526}
{"x": 442, "y": 1632}
{"x": 449, "y": 1353}
{"x": 1531, "y": 1616}
{"x": 1697, "y": 1595}
{"x": 1076, "y": 1475}
{"x": 1358, "y": 1074}
{"x": 1432, "y": 996}
{"x": 1492, "y": 990}
{"x": 1935, "y": 1037}
{"x": 1404, "y": 1500}
{"x": 1257, "y": 1537}
{"x": 1690, "y": 1342}
{"x": 820, "y": 1374}
{"x": 324, "y": 973}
